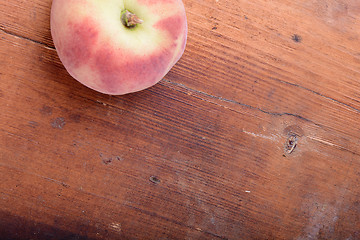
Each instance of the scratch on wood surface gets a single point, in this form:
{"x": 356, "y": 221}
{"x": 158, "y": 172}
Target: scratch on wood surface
{"x": 332, "y": 144}
{"x": 101, "y": 102}
{"x": 272, "y": 137}
{"x": 53, "y": 180}
{"x": 115, "y": 226}
{"x": 324, "y": 142}
{"x": 19, "y": 136}
{"x": 37, "y": 175}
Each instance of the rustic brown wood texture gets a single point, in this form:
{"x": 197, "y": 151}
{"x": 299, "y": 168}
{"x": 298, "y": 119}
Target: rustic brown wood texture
{"x": 254, "y": 134}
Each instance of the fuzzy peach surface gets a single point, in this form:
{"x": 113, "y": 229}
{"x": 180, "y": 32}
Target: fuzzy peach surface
{"x": 103, "y": 54}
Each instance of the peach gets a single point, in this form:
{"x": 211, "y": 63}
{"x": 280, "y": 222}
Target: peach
{"x": 115, "y": 51}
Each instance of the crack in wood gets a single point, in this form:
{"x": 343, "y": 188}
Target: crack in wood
{"x": 239, "y": 103}
{"x": 2, "y": 28}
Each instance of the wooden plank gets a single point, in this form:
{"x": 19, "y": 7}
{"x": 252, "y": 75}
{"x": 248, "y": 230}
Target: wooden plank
{"x": 245, "y": 52}
{"x": 213, "y": 182}
{"x": 218, "y": 132}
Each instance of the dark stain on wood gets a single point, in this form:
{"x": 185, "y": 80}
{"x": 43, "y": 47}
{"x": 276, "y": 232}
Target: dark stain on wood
{"x": 296, "y": 38}
{"x": 46, "y": 110}
{"x": 58, "y": 123}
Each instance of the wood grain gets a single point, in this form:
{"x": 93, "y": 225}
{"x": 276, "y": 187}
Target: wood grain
{"x": 254, "y": 134}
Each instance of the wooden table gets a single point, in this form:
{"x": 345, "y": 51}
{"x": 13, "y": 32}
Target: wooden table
{"x": 254, "y": 134}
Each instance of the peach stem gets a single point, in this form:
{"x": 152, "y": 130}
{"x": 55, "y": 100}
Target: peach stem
{"x": 129, "y": 19}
